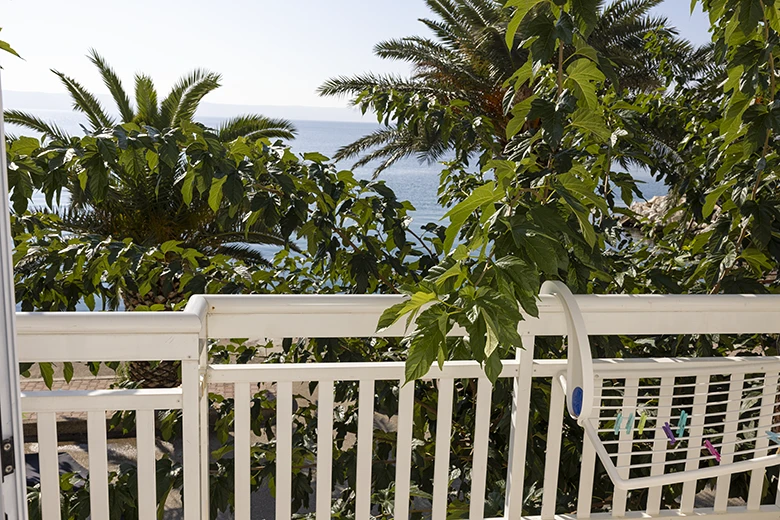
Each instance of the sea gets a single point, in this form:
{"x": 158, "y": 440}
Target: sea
{"x": 411, "y": 179}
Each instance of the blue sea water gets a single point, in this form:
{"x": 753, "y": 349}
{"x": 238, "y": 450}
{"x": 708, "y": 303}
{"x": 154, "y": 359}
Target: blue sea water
{"x": 411, "y": 179}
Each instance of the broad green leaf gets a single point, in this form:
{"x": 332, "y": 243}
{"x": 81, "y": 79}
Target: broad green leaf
{"x": 67, "y": 371}
{"x": 47, "y": 373}
{"x": 152, "y": 159}
{"x": 413, "y": 304}
{"x": 519, "y": 113}
{"x": 215, "y": 193}
{"x": 521, "y": 75}
{"x": 456, "y": 270}
{"x": 187, "y": 187}
{"x": 590, "y": 122}
{"x": 585, "y": 190}
{"x": 7, "y": 48}
{"x": 25, "y": 145}
{"x": 170, "y": 245}
{"x": 712, "y": 198}
{"x": 485, "y": 194}
{"x": 315, "y": 157}
{"x": 491, "y": 338}
{"x": 757, "y": 260}
{"x": 522, "y": 7}
{"x": 583, "y": 77}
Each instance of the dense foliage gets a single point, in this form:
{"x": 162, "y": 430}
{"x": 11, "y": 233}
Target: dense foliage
{"x": 547, "y": 200}
{"x": 458, "y": 98}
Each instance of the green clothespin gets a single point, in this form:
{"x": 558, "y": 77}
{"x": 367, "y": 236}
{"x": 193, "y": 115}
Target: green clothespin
{"x": 642, "y": 421}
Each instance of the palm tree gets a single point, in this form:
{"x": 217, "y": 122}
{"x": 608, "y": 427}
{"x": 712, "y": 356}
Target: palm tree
{"x": 178, "y": 106}
{"x": 468, "y": 59}
{"x": 143, "y": 201}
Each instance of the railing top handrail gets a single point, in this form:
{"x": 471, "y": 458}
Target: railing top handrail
{"x": 590, "y": 303}
{"x": 603, "y": 314}
{"x": 35, "y": 323}
{"x": 278, "y": 315}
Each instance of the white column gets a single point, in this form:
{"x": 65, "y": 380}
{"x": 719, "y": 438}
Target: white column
{"x": 13, "y": 497}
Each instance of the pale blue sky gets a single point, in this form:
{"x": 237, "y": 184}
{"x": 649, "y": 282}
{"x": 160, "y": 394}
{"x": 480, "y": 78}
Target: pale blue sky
{"x": 269, "y": 52}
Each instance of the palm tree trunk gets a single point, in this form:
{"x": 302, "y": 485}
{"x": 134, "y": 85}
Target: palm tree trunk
{"x": 155, "y": 374}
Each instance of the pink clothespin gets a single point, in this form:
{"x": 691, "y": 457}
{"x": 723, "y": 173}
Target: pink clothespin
{"x": 712, "y": 450}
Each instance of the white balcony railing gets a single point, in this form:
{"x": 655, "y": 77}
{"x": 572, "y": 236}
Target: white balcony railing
{"x": 183, "y": 336}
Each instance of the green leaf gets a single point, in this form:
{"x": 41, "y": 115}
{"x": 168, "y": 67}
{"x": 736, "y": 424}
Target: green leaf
{"x": 590, "y": 122}
{"x": 170, "y": 245}
{"x": 47, "y": 373}
{"x": 187, "y": 187}
{"x": 25, "y": 145}
{"x": 757, "y": 260}
{"x": 152, "y": 159}
{"x": 315, "y": 157}
{"x": 413, "y": 304}
{"x": 485, "y": 194}
{"x": 430, "y": 336}
{"x": 586, "y": 191}
{"x": 522, "y": 7}
{"x": 583, "y": 79}
{"x": 215, "y": 193}
{"x": 519, "y": 113}
{"x": 4, "y": 46}
{"x": 712, "y": 198}
{"x": 67, "y": 371}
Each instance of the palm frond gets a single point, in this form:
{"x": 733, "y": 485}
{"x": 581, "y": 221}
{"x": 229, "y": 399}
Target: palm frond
{"x": 193, "y": 96}
{"x": 345, "y": 85}
{"x": 146, "y": 100}
{"x": 32, "y": 122}
{"x": 367, "y": 142}
{"x": 86, "y": 102}
{"x": 114, "y": 85}
{"x": 170, "y": 105}
{"x": 245, "y": 252}
{"x": 255, "y": 126}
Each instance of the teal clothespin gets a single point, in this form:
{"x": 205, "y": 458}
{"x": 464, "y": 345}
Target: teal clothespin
{"x": 681, "y": 424}
{"x": 630, "y": 423}
{"x": 618, "y": 421}
{"x": 773, "y": 437}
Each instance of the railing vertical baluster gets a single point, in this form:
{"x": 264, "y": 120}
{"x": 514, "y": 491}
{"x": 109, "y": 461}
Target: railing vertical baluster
{"x": 441, "y": 466}
{"x": 694, "y": 448}
{"x": 665, "y": 400}
{"x": 624, "y": 450}
{"x": 481, "y": 441}
{"x": 518, "y": 439}
{"x": 365, "y": 445}
{"x": 723, "y": 483}
{"x": 98, "y": 464}
{"x": 242, "y": 449}
{"x": 588, "y": 466}
{"x": 324, "y": 449}
{"x": 553, "y": 454}
{"x": 284, "y": 432}
{"x": 403, "y": 450}
{"x": 762, "y": 440}
{"x": 190, "y": 385}
{"x": 205, "y": 433}
{"x": 48, "y": 459}
{"x": 145, "y": 446}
